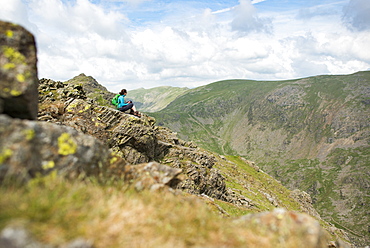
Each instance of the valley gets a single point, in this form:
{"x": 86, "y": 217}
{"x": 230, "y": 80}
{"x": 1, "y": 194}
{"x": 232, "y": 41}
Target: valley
{"x": 311, "y": 133}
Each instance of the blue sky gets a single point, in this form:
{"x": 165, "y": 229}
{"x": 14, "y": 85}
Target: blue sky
{"x": 149, "y": 43}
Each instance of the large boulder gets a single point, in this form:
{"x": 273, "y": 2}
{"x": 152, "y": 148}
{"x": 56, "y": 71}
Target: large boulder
{"x": 18, "y": 72}
{"x": 31, "y": 148}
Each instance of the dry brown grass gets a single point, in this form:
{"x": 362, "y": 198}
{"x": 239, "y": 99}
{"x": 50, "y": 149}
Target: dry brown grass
{"x": 57, "y": 211}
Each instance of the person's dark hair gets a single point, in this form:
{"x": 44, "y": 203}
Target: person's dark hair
{"x": 123, "y": 91}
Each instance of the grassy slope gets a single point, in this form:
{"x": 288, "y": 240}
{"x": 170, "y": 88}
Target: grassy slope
{"x": 113, "y": 215}
{"x": 284, "y": 126}
{"x": 155, "y": 99}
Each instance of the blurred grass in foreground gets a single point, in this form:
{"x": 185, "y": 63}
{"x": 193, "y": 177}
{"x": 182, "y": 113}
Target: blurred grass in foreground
{"x": 56, "y": 211}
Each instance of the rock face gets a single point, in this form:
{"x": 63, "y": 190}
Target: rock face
{"x": 18, "y": 72}
{"x": 306, "y": 202}
{"x": 134, "y": 139}
{"x": 30, "y": 148}
{"x": 93, "y": 89}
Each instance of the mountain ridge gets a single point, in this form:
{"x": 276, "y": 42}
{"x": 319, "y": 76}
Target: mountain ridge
{"x": 155, "y": 99}
{"x": 297, "y": 130}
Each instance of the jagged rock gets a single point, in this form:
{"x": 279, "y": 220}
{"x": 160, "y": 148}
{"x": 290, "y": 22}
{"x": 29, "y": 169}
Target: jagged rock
{"x": 93, "y": 89}
{"x": 305, "y": 201}
{"x": 137, "y": 140}
{"x": 152, "y": 176}
{"x": 28, "y": 148}
{"x": 18, "y": 72}
{"x": 59, "y": 91}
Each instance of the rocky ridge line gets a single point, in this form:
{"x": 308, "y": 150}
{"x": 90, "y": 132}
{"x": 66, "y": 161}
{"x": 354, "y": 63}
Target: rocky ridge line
{"x": 136, "y": 140}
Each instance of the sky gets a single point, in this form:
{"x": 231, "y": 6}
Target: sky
{"x": 184, "y": 43}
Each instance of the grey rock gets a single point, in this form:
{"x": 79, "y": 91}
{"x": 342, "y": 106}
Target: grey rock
{"x": 29, "y": 148}
{"x": 18, "y": 72}
{"x": 18, "y": 237}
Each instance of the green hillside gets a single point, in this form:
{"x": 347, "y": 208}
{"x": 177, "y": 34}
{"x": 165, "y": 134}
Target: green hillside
{"x": 310, "y": 133}
{"x": 155, "y": 99}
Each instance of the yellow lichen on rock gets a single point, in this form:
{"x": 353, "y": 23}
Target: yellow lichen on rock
{"x": 9, "y": 33}
{"x": 72, "y": 107}
{"x": 113, "y": 160}
{"x": 9, "y": 66}
{"x": 99, "y": 124}
{"x": 66, "y": 144}
{"x": 21, "y": 78}
{"x": 5, "y": 154}
{"x": 15, "y": 92}
{"x": 48, "y": 165}
{"x": 13, "y": 56}
{"x": 29, "y": 133}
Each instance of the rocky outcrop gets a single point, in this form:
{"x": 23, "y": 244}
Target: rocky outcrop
{"x": 18, "y": 72}
{"x": 136, "y": 140}
{"x": 30, "y": 148}
{"x": 153, "y": 176}
{"x": 93, "y": 89}
{"x": 306, "y": 202}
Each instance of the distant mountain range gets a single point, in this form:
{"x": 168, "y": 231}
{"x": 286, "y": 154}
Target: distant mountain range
{"x": 310, "y": 133}
{"x": 155, "y": 99}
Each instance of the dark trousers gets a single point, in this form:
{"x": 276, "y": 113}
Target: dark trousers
{"x": 126, "y": 107}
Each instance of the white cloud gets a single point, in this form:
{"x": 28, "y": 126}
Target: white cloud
{"x": 15, "y": 11}
{"x": 246, "y": 19}
{"x": 79, "y": 18}
{"x": 188, "y": 48}
{"x": 357, "y": 15}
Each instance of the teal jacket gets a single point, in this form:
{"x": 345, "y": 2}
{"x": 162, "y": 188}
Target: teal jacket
{"x": 121, "y": 101}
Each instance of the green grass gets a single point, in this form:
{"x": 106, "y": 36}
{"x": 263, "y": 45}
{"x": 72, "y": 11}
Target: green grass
{"x": 233, "y": 210}
{"x": 56, "y": 211}
{"x": 255, "y": 184}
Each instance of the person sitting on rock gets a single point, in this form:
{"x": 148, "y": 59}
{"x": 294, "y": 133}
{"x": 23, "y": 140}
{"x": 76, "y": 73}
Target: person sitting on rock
{"x": 123, "y": 105}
